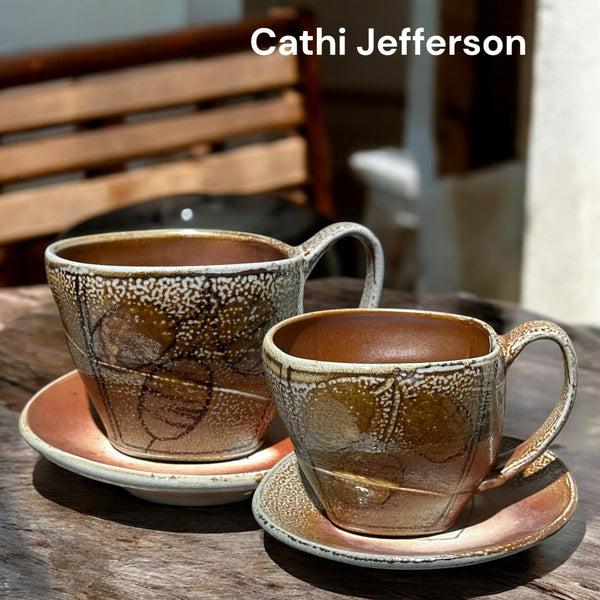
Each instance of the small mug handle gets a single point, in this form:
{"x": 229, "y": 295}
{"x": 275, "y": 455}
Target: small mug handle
{"x": 511, "y": 345}
{"x": 314, "y": 248}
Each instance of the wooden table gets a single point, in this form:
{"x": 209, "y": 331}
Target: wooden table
{"x": 65, "y": 536}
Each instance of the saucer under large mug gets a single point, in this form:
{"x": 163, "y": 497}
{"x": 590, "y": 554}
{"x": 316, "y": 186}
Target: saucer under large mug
{"x": 165, "y": 328}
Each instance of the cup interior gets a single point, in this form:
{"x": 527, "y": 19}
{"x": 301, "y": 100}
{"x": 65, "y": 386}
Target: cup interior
{"x": 167, "y": 250}
{"x": 380, "y": 336}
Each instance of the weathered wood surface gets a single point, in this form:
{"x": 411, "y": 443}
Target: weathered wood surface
{"x": 64, "y": 536}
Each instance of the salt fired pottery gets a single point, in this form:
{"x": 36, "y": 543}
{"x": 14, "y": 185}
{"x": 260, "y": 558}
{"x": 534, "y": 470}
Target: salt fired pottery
{"x": 530, "y": 507}
{"x": 165, "y": 328}
{"x": 397, "y": 416}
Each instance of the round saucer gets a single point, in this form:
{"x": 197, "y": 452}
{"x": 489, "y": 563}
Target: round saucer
{"x": 59, "y": 424}
{"x": 499, "y": 522}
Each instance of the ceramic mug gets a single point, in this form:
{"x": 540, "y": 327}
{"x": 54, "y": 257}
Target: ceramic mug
{"x": 165, "y": 328}
{"x": 396, "y": 416}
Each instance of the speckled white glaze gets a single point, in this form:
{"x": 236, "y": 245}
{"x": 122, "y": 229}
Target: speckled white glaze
{"x": 59, "y": 423}
{"x": 400, "y": 448}
{"x": 503, "y": 521}
{"x": 170, "y": 355}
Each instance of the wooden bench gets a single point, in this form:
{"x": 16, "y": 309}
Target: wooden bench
{"x": 89, "y": 128}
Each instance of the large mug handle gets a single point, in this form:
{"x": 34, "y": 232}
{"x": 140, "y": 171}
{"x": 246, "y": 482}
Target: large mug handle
{"x": 314, "y": 248}
{"x": 511, "y": 345}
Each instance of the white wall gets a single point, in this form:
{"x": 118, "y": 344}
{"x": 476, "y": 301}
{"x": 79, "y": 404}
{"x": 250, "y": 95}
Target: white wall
{"x": 561, "y": 270}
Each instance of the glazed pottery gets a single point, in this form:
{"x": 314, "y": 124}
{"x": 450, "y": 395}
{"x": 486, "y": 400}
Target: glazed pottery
{"x": 59, "y": 423}
{"x": 397, "y": 416}
{"x": 533, "y": 505}
{"x": 165, "y": 328}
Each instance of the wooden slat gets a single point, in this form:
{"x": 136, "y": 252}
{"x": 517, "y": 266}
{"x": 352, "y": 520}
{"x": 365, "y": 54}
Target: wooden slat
{"x": 252, "y": 169}
{"x": 144, "y": 89}
{"x": 116, "y": 144}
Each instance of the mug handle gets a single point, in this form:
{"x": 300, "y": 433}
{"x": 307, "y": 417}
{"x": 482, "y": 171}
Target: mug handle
{"x": 511, "y": 345}
{"x": 314, "y": 248}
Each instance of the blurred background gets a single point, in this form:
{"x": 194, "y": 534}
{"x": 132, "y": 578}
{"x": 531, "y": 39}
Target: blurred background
{"x": 478, "y": 173}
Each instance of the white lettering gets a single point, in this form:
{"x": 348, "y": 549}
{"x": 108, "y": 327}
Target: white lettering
{"x": 254, "y": 41}
{"x": 329, "y": 39}
{"x": 454, "y": 39}
{"x": 418, "y": 38}
{"x": 404, "y": 38}
{"x": 436, "y": 45}
{"x": 487, "y": 48}
{"x": 370, "y": 43}
{"x": 305, "y": 38}
{"x": 342, "y": 31}
{"x": 264, "y": 42}
{"x": 288, "y": 45}
{"x": 387, "y": 45}
{"x": 515, "y": 38}
{"x": 472, "y": 43}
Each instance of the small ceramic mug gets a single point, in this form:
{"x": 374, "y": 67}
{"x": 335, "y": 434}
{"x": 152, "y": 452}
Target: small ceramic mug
{"x": 166, "y": 326}
{"x": 397, "y": 416}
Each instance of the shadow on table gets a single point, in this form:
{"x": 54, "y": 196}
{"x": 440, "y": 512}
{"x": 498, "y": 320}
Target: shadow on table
{"x": 455, "y": 583}
{"x": 115, "y": 504}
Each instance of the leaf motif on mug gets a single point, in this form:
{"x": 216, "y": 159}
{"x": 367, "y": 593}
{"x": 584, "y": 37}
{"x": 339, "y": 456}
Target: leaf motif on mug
{"x": 128, "y": 335}
{"x": 174, "y": 399}
{"x": 346, "y": 401}
{"x": 436, "y": 425}
{"x": 394, "y": 412}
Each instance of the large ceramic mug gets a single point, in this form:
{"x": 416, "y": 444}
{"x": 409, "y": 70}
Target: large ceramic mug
{"x": 165, "y": 328}
{"x": 397, "y": 416}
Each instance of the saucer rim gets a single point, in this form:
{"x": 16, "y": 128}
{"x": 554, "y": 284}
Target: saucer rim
{"x": 433, "y": 561}
{"x": 130, "y": 478}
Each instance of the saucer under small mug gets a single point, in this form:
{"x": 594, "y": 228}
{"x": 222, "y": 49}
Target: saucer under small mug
{"x": 529, "y": 508}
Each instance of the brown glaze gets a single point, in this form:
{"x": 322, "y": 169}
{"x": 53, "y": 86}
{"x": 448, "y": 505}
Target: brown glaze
{"x": 61, "y": 530}
{"x": 166, "y": 327}
{"x": 61, "y": 416}
{"x": 496, "y": 524}
{"x": 382, "y": 337}
{"x": 169, "y": 250}
{"x": 397, "y": 416}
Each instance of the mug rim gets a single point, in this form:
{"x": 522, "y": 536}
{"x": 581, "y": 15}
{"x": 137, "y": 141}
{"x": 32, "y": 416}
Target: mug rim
{"x": 53, "y": 258}
{"x": 273, "y": 353}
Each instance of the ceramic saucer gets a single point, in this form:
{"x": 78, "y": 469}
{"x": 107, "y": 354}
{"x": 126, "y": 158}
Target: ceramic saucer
{"x": 59, "y": 424}
{"x": 499, "y": 522}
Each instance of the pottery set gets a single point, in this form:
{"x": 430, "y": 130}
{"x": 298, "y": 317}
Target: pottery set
{"x": 192, "y": 347}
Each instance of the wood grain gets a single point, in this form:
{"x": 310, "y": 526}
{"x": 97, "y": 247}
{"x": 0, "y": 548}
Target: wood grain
{"x": 91, "y": 127}
{"x": 246, "y": 170}
{"x": 64, "y": 536}
{"x": 120, "y": 143}
{"x": 147, "y": 88}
